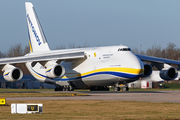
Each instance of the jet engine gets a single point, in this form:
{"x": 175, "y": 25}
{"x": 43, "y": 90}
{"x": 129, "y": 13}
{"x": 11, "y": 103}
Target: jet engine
{"x": 12, "y": 73}
{"x": 168, "y": 73}
{"x": 147, "y": 70}
{"x": 55, "y": 71}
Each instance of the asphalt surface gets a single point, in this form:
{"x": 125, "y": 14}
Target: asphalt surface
{"x": 148, "y": 96}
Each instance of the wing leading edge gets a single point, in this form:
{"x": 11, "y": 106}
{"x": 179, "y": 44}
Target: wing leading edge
{"x": 44, "y": 57}
{"x": 157, "y": 60}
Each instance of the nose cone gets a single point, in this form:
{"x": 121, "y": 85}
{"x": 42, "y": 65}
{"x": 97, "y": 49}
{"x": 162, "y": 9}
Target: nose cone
{"x": 134, "y": 65}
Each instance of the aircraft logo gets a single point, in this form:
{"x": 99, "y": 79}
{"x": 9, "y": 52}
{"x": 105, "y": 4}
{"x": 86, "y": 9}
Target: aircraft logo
{"x": 34, "y": 31}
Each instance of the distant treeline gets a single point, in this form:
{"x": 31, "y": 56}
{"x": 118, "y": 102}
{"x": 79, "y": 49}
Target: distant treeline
{"x": 170, "y": 52}
{"x": 17, "y": 49}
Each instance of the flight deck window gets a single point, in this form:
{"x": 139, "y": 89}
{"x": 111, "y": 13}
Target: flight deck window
{"x": 124, "y": 49}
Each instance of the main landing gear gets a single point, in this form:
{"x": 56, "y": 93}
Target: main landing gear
{"x": 64, "y": 88}
{"x": 124, "y": 87}
{"x": 116, "y": 88}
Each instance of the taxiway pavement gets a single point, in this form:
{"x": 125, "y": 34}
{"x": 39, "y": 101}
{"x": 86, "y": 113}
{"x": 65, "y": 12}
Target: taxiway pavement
{"x": 148, "y": 96}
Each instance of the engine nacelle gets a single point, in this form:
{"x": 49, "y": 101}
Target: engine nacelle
{"x": 12, "y": 73}
{"x": 168, "y": 73}
{"x": 55, "y": 71}
{"x": 147, "y": 70}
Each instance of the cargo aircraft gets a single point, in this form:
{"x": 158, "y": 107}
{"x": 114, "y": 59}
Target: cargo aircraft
{"x": 82, "y": 68}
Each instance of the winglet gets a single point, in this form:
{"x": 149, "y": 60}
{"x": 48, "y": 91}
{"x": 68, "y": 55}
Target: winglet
{"x": 37, "y": 39}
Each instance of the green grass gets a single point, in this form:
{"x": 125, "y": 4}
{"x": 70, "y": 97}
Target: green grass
{"x": 33, "y": 93}
{"x": 153, "y": 89}
{"x": 171, "y": 85}
{"x": 87, "y": 109}
{"x": 4, "y": 95}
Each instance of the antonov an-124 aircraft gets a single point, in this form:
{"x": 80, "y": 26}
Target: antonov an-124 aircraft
{"x": 93, "y": 68}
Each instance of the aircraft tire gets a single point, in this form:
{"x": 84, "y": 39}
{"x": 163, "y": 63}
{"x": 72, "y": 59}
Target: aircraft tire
{"x": 58, "y": 89}
{"x": 116, "y": 88}
{"x": 64, "y": 89}
{"x": 107, "y": 89}
{"x": 125, "y": 89}
{"x": 72, "y": 89}
{"x": 55, "y": 89}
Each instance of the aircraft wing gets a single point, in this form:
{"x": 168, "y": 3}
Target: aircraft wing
{"x": 47, "y": 56}
{"x": 157, "y": 60}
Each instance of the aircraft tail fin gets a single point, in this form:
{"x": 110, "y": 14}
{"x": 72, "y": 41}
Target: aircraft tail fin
{"x": 37, "y": 39}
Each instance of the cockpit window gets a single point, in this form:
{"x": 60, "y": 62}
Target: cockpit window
{"x": 124, "y": 49}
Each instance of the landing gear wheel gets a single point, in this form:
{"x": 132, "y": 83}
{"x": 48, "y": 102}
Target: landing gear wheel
{"x": 72, "y": 89}
{"x": 125, "y": 89}
{"x": 64, "y": 88}
{"x": 116, "y": 88}
{"x": 107, "y": 89}
{"x": 57, "y": 89}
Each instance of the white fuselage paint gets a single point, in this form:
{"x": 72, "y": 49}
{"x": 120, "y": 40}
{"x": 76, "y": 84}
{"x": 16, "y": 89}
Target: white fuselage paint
{"x": 100, "y": 66}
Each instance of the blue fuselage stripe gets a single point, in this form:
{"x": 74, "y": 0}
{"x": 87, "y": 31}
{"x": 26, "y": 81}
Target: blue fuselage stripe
{"x": 118, "y": 74}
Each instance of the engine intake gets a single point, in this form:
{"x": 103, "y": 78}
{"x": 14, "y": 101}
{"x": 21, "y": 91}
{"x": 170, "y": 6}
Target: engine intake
{"x": 12, "y": 73}
{"x": 55, "y": 71}
{"x": 168, "y": 73}
{"x": 147, "y": 70}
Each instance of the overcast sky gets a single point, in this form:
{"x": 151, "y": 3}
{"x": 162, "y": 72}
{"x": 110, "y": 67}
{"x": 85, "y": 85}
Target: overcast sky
{"x": 97, "y": 22}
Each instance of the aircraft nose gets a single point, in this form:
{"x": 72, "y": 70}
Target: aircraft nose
{"x": 136, "y": 65}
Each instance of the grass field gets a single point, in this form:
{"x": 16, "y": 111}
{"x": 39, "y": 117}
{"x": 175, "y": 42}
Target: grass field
{"x": 88, "y": 109}
{"x": 4, "y": 95}
{"x": 85, "y": 109}
{"x": 33, "y": 93}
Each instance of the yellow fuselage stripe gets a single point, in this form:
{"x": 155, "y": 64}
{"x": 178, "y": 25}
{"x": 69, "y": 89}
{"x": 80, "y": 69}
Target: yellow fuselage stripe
{"x": 123, "y": 70}
{"x": 113, "y": 69}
